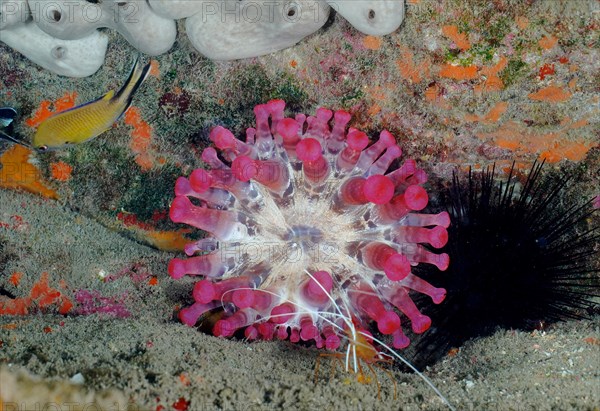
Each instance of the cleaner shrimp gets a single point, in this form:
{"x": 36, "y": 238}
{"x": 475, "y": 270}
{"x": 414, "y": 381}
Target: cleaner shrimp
{"x": 360, "y": 344}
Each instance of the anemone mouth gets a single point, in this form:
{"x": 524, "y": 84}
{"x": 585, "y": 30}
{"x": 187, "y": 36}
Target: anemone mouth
{"x": 314, "y": 231}
{"x": 303, "y": 236}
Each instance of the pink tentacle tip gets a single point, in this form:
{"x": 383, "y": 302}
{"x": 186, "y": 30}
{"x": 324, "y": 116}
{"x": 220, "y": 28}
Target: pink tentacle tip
{"x": 200, "y": 180}
{"x": 388, "y": 323}
{"x": 282, "y": 313}
{"x": 288, "y": 129}
{"x": 318, "y": 288}
{"x": 379, "y": 189}
{"x": 222, "y": 138}
{"x": 266, "y": 330}
{"x": 308, "y": 331}
{"x": 276, "y": 106}
{"x": 387, "y": 138}
{"x": 332, "y": 342}
{"x": 204, "y": 292}
{"x": 397, "y": 267}
{"x": 438, "y": 295}
{"x": 438, "y": 238}
{"x": 324, "y": 114}
{"x": 176, "y": 268}
{"x": 309, "y": 149}
{"x": 420, "y": 324}
{"x": 209, "y": 154}
{"x": 416, "y": 197}
{"x": 251, "y": 333}
{"x": 190, "y": 315}
{"x": 399, "y": 340}
{"x": 342, "y": 117}
{"x": 183, "y": 187}
{"x": 244, "y": 168}
{"x": 443, "y": 219}
{"x": 442, "y": 261}
{"x": 357, "y": 140}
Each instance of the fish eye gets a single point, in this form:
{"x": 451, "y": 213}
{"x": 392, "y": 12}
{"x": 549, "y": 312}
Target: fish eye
{"x": 43, "y": 148}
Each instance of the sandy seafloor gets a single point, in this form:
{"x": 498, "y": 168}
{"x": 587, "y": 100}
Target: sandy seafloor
{"x": 151, "y": 359}
{"x": 526, "y": 87}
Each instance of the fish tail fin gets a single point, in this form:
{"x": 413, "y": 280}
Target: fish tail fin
{"x": 134, "y": 81}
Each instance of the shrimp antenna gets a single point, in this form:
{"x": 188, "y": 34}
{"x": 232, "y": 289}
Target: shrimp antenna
{"x": 378, "y": 341}
{"x": 349, "y": 324}
{"x": 412, "y": 367}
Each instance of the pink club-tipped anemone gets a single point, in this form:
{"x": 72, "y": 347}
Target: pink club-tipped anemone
{"x": 308, "y": 228}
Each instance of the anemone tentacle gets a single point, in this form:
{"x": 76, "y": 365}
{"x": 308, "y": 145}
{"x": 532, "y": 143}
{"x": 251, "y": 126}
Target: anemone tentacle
{"x": 305, "y": 195}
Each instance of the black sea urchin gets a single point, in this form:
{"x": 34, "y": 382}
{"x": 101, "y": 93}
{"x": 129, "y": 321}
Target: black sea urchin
{"x": 520, "y": 256}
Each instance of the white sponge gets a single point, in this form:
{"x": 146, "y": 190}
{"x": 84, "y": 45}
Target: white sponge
{"x": 73, "y": 58}
{"x": 234, "y": 29}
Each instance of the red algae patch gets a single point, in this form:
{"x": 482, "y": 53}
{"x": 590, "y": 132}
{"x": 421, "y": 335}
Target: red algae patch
{"x": 460, "y": 39}
{"x": 61, "y": 171}
{"x": 65, "y": 102}
{"x": 15, "y": 278}
{"x": 18, "y": 173}
{"x": 492, "y": 116}
{"x": 546, "y": 70}
{"x": 141, "y": 137}
{"x": 551, "y": 94}
{"x": 372, "y": 42}
{"x": 93, "y": 302}
{"x": 41, "y": 296}
{"x": 548, "y": 42}
{"x": 492, "y": 80}
{"x": 459, "y": 72}
{"x": 408, "y": 69}
{"x": 522, "y": 22}
{"x": 154, "y": 68}
{"x": 553, "y": 147}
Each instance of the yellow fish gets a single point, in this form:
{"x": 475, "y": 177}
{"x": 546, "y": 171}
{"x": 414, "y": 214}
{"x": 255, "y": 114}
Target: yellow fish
{"x": 81, "y": 123}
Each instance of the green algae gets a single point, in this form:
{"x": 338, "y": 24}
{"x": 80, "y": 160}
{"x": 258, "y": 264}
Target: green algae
{"x": 150, "y": 191}
{"x": 294, "y": 96}
{"x": 496, "y": 32}
{"x": 353, "y": 97}
{"x": 514, "y": 69}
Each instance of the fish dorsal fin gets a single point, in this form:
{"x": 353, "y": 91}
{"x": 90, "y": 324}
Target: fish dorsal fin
{"x": 131, "y": 80}
{"x": 109, "y": 95}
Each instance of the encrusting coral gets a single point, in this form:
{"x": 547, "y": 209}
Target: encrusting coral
{"x": 62, "y": 35}
{"x": 308, "y": 230}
